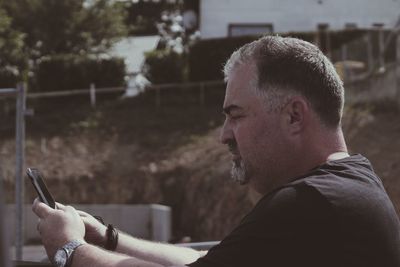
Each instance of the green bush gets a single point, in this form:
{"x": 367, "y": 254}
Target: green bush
{"x": 164, "y": 66}
{"x": 207, "y": 57}
{"x": 66, "y": 72}
{"x": 8, "y": 79}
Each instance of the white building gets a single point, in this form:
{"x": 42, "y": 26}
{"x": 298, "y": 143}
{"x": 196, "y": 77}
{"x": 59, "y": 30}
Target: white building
{"x": 133, "y": 50}
{"x": 222, "y": 18}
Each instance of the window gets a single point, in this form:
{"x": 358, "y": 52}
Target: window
{"x": 350, "y": 26}
{"x": 249, "y": 29}
{"x": 323, "y": 27}
{"x": 378, "y": 25}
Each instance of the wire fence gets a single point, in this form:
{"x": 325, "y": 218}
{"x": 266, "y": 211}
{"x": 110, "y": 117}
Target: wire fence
{"x": 92, "y": 91}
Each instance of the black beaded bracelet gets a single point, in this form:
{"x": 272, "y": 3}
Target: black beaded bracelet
{"x": 112, "y": 238}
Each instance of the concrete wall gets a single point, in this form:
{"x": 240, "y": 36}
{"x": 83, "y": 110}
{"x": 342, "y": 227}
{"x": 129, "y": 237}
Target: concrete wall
{"x": 151, "y": 222}
{"x": 376, "y": 88}
{"x": 294, "y": 15}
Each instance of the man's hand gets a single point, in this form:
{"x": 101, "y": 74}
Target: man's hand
{"x": 95, "y": 230}
{"x": 57, "y": 226}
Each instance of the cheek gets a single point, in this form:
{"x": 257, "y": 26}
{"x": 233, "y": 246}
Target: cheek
{"x": 263, "y": 140}
{"x": 252, "y": 137}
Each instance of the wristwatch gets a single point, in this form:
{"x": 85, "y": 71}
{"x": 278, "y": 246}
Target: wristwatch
{"x": 63, "y": 256}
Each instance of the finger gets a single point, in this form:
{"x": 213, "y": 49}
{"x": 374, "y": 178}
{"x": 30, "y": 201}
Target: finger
{"x": 70, "y": 209}
{"x": 41, "y": 209}
{"x": 60, "y": 206}
{"x": 83, "y": 214}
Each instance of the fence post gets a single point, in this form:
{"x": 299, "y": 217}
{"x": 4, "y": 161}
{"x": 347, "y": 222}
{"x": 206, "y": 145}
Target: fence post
{"x": 202, "y": 94}
{"x": 328, "y": 44}
{"x": 345, "y": 70}
{"x": 381, "y": 48}
{"x": 158, "y": 97}
{"x": 370, "y": 52}
{"x": 398, "y": 68}
{"x": 20, "y": 159}
{"x": 93, "y": 95}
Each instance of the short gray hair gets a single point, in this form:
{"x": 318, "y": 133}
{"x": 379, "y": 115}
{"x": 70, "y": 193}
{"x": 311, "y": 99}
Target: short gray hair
{"x": 287, "y": 66}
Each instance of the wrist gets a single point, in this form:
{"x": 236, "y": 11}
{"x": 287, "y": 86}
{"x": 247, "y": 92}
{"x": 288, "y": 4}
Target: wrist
{"x": 64, "y": 255}
{"x": 103, "y": 236}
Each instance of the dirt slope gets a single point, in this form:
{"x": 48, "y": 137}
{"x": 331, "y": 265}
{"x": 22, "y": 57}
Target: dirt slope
{"x": 130, "y": 152}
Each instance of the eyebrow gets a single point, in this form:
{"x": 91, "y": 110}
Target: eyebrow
{"x": 227, "y": 110}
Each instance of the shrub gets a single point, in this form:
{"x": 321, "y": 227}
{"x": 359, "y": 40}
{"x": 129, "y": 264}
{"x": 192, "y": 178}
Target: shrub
{"x": 164, "y": 66}
{"x": 206, "y": 57}
{"x": 66, "y": 72}
{"x": 8, "y": 79}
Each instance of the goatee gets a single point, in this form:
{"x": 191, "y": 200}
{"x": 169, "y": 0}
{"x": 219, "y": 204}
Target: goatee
{"x": 238, "y": 172}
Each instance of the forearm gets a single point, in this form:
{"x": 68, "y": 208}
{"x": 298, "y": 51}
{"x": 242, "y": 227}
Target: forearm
{"x": 164, "y": 254}
{"x": 92, "y": 256}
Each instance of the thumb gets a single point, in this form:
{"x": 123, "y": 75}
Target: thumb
{"x": 41, "y": 209}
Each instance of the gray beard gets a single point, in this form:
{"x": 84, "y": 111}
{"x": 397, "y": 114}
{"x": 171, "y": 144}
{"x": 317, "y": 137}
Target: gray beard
{"x": 239, "y": 173}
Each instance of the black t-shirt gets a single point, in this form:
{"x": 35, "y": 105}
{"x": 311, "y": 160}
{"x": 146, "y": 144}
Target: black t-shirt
{"x": 337, "y": 215}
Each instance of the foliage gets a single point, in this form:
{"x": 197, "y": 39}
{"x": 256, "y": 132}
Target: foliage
{"x": 62, "y": 27}
{"x": 65, "y": 72}
{"x": 11, "y": 55}
{"x": 142, "y": 16}
{"x": 42, "y": 32}
{"x": 164, "y": 66}
{"x": 206, "y": 58}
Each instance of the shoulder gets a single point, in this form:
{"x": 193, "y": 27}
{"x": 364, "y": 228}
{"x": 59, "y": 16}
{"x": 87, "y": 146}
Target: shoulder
{"x": 289, "y": 209}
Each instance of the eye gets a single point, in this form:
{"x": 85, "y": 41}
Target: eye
{"x": 236, "y": 116}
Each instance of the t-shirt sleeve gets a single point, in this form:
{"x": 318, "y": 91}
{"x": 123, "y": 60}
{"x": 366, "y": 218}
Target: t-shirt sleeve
{"x": 282, "y": 230}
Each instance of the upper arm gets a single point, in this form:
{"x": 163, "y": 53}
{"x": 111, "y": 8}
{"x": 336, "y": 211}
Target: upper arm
{"x": 281, "y": 229}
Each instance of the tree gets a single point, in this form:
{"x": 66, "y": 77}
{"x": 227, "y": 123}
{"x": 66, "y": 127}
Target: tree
{"x": 143, "y": 15}
{"x": 12, "y": 59}
{"x": 66, "y": 27}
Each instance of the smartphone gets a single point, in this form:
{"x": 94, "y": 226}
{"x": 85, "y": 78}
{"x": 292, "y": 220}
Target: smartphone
{"x": 40, "y": 187}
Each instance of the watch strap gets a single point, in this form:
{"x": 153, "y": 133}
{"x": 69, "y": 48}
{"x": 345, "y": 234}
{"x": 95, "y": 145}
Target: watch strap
{"x": 69, "y": 250}
{"x": 112, "y": 238}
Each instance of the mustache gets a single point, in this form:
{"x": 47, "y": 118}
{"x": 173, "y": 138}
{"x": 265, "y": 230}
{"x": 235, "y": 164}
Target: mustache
{"x": 232, "y": 146}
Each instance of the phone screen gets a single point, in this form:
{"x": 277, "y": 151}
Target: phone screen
{"x": 40, "y": 187}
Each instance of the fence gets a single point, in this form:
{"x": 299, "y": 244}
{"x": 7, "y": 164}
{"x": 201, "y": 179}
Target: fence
{"x": 92, "y": 91}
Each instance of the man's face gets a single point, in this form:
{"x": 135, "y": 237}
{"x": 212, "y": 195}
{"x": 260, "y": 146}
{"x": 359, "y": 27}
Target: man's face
{"x": 252, "y": 132}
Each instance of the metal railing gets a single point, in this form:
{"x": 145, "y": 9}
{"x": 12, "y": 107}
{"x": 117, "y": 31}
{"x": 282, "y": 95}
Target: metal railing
{"x": 20, "y": 93}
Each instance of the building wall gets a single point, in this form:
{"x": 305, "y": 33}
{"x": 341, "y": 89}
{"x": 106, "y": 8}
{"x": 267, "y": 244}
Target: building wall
{"x": 152, "y": 222}
{"x": 295, "y": 15}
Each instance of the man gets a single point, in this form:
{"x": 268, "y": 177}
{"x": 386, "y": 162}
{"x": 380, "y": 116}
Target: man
{"x": 319, "y": 206}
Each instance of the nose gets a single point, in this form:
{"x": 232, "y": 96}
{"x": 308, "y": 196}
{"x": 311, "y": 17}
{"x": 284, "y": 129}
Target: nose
{"x": 226, "y": 135}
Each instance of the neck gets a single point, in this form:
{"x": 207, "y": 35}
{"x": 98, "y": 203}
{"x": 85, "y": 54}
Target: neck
{"x": 321, "y": 147}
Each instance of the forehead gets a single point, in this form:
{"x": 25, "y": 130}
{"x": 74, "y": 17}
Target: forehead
{"x": 239, "y": 91}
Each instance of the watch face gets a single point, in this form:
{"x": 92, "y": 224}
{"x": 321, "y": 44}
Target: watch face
{"x": 60, "y": 259}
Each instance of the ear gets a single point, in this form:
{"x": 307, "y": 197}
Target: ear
{"x": 296, "y": 114}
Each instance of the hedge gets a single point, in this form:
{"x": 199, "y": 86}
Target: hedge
{"x": 66, "y": 72}
{"x": 207, "y": 57}
{"x": 164, "y": 66}
{"x": 8, "y": 79}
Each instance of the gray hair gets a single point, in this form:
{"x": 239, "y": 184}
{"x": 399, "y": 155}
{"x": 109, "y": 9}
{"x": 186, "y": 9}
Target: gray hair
{"x": 290, "y": 66}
